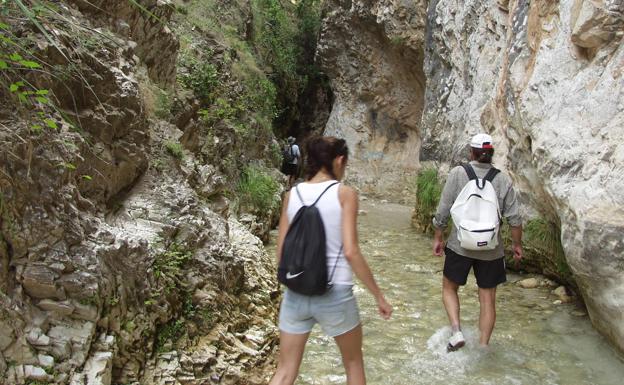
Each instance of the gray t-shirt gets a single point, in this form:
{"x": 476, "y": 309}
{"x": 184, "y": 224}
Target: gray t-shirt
{"x": 296, "y": 153}
{"x": 507, "y": 202}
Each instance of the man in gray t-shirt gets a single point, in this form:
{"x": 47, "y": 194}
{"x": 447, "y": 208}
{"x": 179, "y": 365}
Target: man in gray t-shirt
{"x": 488, "y": 266}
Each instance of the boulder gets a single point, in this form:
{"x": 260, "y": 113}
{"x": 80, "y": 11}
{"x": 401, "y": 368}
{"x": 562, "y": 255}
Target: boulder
{"x": 529, "y": 283}
{"x": 562, "y": 293}
{"x": 36, "y": 373}
{"x": 45, "y": 360}
{"x": 64, "y": 308}
{"x": 98, "y": 369}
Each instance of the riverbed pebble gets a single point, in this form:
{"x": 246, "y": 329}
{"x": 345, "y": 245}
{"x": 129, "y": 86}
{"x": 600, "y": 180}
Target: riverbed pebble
{"x": 529, "y": 283}
{"x": 563, "y": 295}
{"x": 548, "y": 283}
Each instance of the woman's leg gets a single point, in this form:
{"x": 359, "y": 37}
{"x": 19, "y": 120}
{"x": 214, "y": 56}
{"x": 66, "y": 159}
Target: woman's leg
{"x": 350, "y": 345}
{"x": 291, "y": 353}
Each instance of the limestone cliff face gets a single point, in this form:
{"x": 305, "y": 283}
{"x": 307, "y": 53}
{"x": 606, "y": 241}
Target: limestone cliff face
{"x": 372, "y": 52}
{"x": 545, "y": 78}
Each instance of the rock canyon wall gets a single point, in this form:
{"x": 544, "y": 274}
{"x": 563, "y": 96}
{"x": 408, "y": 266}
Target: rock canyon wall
{"x": 372, "y": 52}
{"x": 122, "y": 259}
{"x": 545, "y": 79}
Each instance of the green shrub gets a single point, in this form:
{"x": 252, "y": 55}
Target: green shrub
{"x": 175, "y": 149}
{"x": 163, "y": 104}
{"x": 275, "y": 37}
{"x": 545, "y": 237}
{"x": 397, "y": 41}
{"x": 169, "y": 263}
{"x": 171, "y": 331}
{"x": 260, "y": 96}
{"x": 202, "y": 78}
{"x": 428, "y": 191}
{"x": 258, "y": 190}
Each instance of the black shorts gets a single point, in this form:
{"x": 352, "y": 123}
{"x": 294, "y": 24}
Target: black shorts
{"x": 290, "y": 169}
{"x": 489, "y": 274}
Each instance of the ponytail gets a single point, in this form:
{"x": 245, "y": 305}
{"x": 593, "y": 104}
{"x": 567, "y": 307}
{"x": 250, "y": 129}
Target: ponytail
{"x": 321, "y": 152}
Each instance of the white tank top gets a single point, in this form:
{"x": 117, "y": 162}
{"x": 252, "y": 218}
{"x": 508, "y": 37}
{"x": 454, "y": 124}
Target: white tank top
{"x": 331, "y": 213}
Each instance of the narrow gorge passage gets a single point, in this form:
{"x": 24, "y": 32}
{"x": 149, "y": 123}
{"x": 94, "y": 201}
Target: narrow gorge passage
{"x": 534, "y": 342}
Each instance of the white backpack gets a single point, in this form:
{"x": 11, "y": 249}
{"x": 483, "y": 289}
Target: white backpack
{"x": 476, "y": 213}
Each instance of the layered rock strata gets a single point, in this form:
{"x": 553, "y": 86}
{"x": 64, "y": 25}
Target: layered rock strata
{"x": 115, "y": 268}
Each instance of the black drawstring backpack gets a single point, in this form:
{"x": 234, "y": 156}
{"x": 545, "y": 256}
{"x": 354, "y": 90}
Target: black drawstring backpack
{"x": 303, "y": 265}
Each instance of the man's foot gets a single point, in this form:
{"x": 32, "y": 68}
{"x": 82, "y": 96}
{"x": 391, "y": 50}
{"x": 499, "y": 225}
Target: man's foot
{"x": 456, "y": 341}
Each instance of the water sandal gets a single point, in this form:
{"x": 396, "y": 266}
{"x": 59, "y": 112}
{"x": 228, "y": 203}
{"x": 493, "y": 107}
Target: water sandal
{"x": 456, "y": 342}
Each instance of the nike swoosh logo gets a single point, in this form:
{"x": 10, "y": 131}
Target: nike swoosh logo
{"x": 291, "y": 276}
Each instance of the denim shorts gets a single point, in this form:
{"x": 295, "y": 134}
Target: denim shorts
{"x": 336, "y": 311}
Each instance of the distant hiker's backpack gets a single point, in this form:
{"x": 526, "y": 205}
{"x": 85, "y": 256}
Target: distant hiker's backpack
{"x": 303, "y": 264}
{"x": 476, "y": 213}
{"x": 287, "y": 154}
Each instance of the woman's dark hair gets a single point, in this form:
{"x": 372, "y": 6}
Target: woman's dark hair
{"x": 482, "y": 155}
{"x": 321, "y": 152}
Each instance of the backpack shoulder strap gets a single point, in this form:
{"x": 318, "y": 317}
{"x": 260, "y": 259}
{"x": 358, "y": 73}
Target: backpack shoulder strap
{"x": 491, "y": 174}
{"x": 299, "y": 194}
{"x": 469, "y": 171}
{"x": 323, "y": 193}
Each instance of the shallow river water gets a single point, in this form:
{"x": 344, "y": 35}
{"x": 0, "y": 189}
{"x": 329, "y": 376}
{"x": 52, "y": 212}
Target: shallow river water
{"x": 534, "y": 342}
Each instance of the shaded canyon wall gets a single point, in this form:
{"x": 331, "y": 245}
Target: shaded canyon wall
{"x": 372, "y": 52}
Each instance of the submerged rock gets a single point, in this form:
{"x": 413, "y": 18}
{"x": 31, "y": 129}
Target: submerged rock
{"x": 529, "y": 283}
{"x": 563, "y": 294}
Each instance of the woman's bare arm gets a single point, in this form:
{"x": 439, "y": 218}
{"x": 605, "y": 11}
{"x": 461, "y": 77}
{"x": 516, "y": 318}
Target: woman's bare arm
{"x": 282, "y": 227}
{"x": 349, "y": 201}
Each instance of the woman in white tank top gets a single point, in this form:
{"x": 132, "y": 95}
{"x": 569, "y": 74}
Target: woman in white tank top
{"x": 336, "y": 311}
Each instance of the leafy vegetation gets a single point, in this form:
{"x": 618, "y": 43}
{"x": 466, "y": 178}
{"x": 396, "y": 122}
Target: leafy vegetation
{"x": 545, "y": 237}
{"x": 168, "y": 265}
{"x": 174, "y": 149}
{"x": 202, "y": 77}
{"x": 285, "y": 39}
{"x": 428, "y": 191}
{"x": 171, "y": 331}
{"x": 258, "y": 190}
{"x": 32, "y": 102}
{"x": 275, "y": 39}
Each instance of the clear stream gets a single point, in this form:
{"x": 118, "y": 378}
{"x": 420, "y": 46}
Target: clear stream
{"x": 534, "y": 342}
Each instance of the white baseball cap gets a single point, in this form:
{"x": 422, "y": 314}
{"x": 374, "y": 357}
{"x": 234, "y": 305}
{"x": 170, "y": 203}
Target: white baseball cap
{"x": 481, "y": 141}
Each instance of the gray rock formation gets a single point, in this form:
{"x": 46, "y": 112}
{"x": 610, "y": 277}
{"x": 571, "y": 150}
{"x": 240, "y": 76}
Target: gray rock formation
{"x": 545, "y": 79}
{"x": 114, "y": 268}
{"x": 372, "y": 51}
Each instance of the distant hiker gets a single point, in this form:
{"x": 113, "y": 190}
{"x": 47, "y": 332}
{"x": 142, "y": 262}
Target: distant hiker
{"x": 478, "y": 196}
{"x": 336, "y": 309}
{"x": 291, "y": 159}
